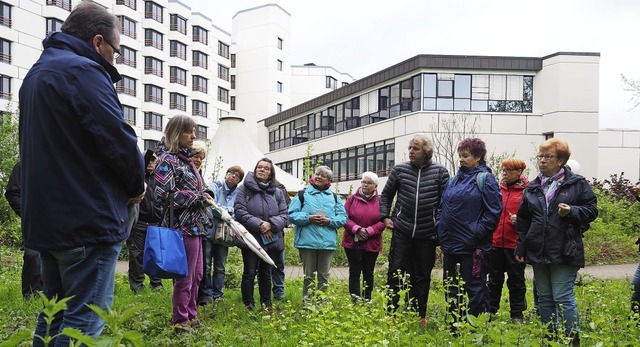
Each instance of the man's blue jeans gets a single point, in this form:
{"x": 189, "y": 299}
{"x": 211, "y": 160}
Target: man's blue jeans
{"x": 277, "y": 276}
{"x": 86, "y": 273}
{"x": 215, "y": 255}
{"x": 557, "y": 301}
{"x": 635, "y": 297}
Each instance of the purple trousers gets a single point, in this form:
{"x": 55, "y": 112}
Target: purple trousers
{"x": 185, "y": 290}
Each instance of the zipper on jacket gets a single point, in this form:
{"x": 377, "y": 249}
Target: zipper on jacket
{"x": 415, "y": 212}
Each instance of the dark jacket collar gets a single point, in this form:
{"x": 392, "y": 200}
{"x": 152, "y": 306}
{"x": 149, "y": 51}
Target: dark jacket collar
{"x": 72, "y": 43}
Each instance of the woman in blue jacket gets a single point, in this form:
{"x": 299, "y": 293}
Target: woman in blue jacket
{"x": 469, "y": 213}
{"x": 317, "y": 218}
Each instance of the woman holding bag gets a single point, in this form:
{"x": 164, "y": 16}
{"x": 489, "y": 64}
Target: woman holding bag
{"x": 261, "y": 208}
{"x": 176, "y": 175}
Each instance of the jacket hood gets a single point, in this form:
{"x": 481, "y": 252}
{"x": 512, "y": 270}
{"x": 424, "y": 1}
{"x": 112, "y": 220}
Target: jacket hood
{"x": 81, "y": 48}
{"x": 251, "y": 183}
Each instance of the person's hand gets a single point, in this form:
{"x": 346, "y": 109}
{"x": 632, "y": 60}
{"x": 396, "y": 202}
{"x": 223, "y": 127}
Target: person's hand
{"x": 513, "y": 218}
{"x": 520, "y": 259}
{"x": 388, "y": 223}
{"x": 268, "y": 235}
{"x": 563, "y": 209}
{"x": 264, "y": 227}
{"x": 208, "y": 200}
{"x": 362, "y": 234}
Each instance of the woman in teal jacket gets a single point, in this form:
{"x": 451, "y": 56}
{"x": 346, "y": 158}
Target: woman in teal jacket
{"x": 317, "y": 216}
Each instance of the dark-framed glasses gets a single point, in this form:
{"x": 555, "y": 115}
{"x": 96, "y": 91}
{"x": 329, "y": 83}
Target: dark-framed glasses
{"x": 546, "y": 156}
{"x": 116, "y": 52}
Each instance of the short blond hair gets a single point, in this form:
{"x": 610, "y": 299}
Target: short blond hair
{"x": 199, "y": 147}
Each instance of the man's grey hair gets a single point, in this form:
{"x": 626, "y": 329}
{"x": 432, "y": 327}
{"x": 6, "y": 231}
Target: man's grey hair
{"x": 427, "y": 145}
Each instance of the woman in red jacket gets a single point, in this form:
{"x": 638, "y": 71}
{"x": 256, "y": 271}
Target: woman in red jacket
{"x": 362, "y": 239}
{"x": 502, "y": 257}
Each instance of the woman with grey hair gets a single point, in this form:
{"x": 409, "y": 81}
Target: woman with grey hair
{"x": 362, "y": 238}
{"x": 317, "y": 213}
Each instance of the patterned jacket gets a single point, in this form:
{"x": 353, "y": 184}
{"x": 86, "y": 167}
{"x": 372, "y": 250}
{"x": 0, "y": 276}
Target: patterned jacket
{"x": 177, "y": 175}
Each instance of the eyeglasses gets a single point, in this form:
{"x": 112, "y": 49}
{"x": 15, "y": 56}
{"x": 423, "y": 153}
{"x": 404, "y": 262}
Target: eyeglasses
{"x": 367, "y": 183}
{"x": 116, "y": 52}
{"x": 546, "y": 157}
{"x": 233, "y": 174}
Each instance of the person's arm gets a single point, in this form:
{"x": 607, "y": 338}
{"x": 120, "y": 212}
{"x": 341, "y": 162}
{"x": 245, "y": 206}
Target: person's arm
{"x": 280, "y": 220}
{"x": 522, "y": 227}
{"x": 340, "y": 217}
{"x": 166, "y": 174}
{"x": 12, "y": 193}
{"x": 492, "y": 200}
{"x": 351, "y": 225}
{"x": 249, "y": 221}
{"x": 585, "y": 210}
{"x": 386, "y": 197}
{"x": 296, "y": 215}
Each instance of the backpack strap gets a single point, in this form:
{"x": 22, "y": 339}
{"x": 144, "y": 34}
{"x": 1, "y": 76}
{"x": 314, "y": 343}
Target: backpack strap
{"x": 481, "y": 177}
{"x": 301, "y": 197}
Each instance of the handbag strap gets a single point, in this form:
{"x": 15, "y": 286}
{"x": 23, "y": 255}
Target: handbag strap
{"x": 168, "y": 206}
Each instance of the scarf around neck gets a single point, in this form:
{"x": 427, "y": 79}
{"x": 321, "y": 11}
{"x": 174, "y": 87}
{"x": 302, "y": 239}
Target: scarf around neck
{"x": 551, "y": 184}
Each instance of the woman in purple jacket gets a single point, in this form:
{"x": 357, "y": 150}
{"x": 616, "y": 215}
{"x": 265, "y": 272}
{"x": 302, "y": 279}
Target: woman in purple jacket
{"x": 362, "y": 239}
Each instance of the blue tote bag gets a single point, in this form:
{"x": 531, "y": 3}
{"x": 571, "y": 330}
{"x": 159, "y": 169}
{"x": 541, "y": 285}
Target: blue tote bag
{"x": 164, "y": 253}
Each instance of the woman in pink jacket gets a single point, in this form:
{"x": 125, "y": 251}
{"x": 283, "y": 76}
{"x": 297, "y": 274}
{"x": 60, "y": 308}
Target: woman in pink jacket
{"x": 362, "y": 239}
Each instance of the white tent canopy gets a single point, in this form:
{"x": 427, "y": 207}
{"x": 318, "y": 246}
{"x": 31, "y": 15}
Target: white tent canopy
{"x": 231, "y": 144}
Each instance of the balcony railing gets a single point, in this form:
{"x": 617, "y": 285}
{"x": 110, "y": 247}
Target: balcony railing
{"x": 153, "y": 15}
{"x": 199, "y": 88}
{"x": 129, "y": 3}
{"x": 128, "y": 91}
{"x": 201, "y": 38}
{"x": 177, "y": 106}
{"x": 178, "y": 54}
{"x": 63, "y": 4}
{"x": 179, "y": 28}
{"x": 201, "y": 113}
{"x": 174, "y": 79}
{"x": 152, "y": 71}
{"x": 5, "y": 58}
{"x": 126, "y": 61}
{"x": 151, "y": 98}
{"x": 6, "y": 21}
{"x": 129, "y": 32}
{"x": 200, "y": 63}
{"x": 153, "y": 43}
{"x": 153, "y": 127}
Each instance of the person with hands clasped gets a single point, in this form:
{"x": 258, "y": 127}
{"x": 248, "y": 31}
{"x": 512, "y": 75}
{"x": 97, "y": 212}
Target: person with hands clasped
{"x": 317, "y": 217}
{"x": 362, "y": 238}
{"x": 556, "y": 210}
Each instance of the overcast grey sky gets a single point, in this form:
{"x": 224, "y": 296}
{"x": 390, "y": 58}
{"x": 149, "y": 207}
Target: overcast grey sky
{"x": 361, "y": 37}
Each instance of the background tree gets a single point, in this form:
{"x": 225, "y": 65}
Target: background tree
{"x": 9, "y": 155}
{"x": 632, "y": 86}
{"x": 447, "y": 134}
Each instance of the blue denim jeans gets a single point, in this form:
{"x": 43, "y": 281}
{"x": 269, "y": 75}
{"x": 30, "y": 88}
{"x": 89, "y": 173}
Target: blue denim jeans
{"x": 635, "y": 297}
{"x": 88, "y": 274}
{"x": 277, "y": 276}
{"x": 557, "y": 301}
{"x": 215, "y": 256}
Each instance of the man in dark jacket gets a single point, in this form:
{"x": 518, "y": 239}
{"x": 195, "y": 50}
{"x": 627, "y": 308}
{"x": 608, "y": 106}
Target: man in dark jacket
{"x": 418, "y": 185}
{"x": 149, "y": 214}
{"x": 80, "y": 168}
{"x": 31, "y": 278}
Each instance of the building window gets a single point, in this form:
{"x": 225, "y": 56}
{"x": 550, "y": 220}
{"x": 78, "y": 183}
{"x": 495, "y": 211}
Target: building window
{"x": 223, "y": 95}
{"x": 223, "y": 49}
{"x": 200, "y": 34}
{"x": 279, "y": 86}
{"x": 53, "y": 24}
{"x": 153, "y": 66}
{"x": 278, "y": 108}
{"x": 279, "y": 65}
{"x": 233, "y": 60}
{"x": 233, "y": 81}
{"x": 280, "y": 43}
{"x": 177, "y": 49}
{"x": 5, "y": 14}
{"x": 233, "y": 103}
{"x": 223, "y": 72}
{"x": 477, "y": 93}
{"x": 63, "y": 4}
{"x": 177, "y": 75}
{"x": 201, "y": 132}
{"x": 128, "y": 26}
{"x": 199, "y": 84}
{"x": 199, "y": 108}
{"x": 129, "y": 3}
{"x": 127, "y": 56}
{"x": 5, "y": 87}
{"x": 152, "y": 93}
{"x": 153, "y": 38}
{"x": 153, "y": 11}
{"x": 200, "y": 59}
{"x": 150, "y": 144}
{"x": 287, "y": 167}
{"x": 5, "y": 51}
{"x": 129, "y": 114}
{"x": 331, "y": 83}
{"x": 152, "y": 121}
{"x": 177, "y": 102}
{"x": 178, "y": 23}
{"x": 126, "y": 85}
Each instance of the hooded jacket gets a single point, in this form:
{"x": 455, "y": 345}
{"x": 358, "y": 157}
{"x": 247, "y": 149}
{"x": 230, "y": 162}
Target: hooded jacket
{"x": 363, "y": 213}
{"x": 418, "y": 191}
{"x": 253, "y": 205}
{"x": 313, "y": 236}
{"x": 80, "y": 159}
{"x": 546, "y": 238}
{"x": 468, "y": 214}
{"x": 505, "y": 235}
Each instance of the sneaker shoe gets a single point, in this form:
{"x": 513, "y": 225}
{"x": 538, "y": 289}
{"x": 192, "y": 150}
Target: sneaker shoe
{"x": 517, "y": 320}
{"x": 206, "y": 300}
{"x": 423, "y": 321}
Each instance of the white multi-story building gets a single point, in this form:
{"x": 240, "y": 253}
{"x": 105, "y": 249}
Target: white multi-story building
{"x": 175, "y": 61}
